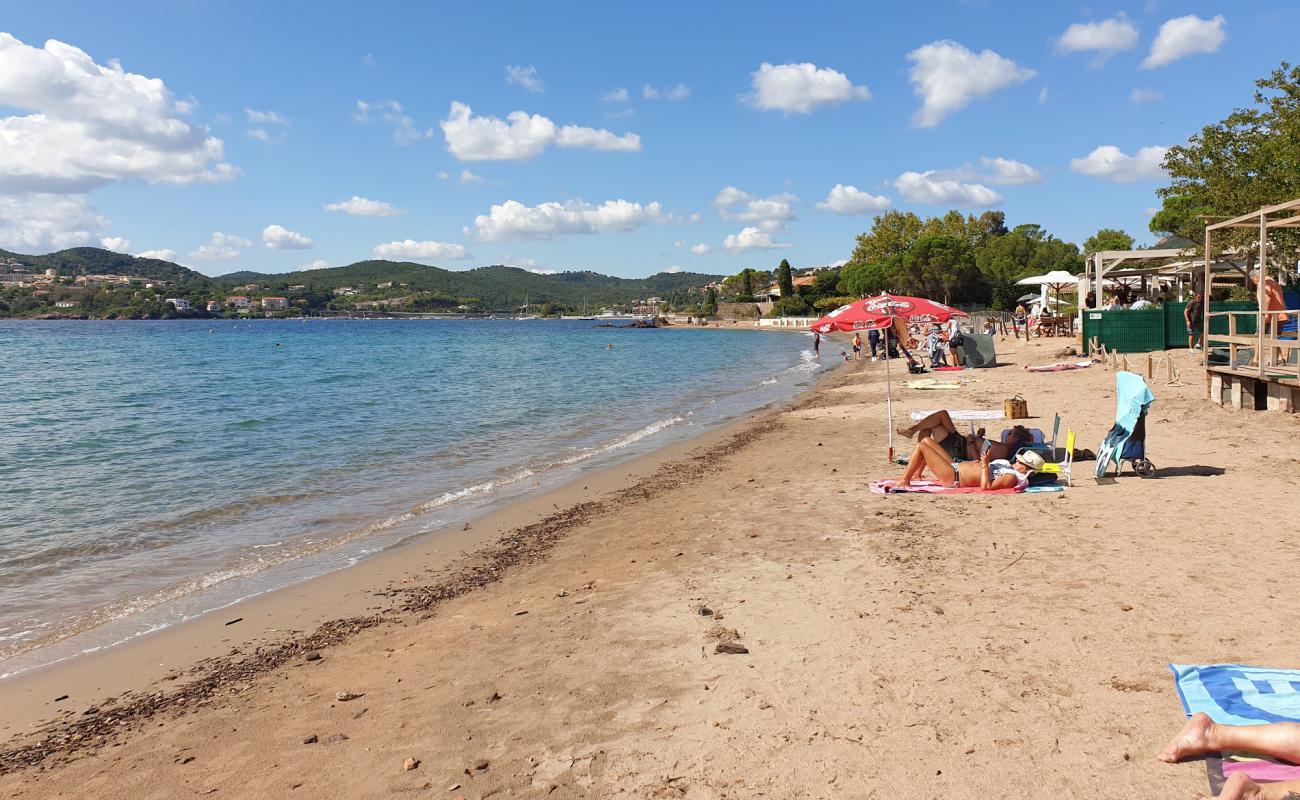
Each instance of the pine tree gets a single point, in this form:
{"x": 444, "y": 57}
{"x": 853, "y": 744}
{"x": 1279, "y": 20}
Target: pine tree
{"x": 784, "y": 279}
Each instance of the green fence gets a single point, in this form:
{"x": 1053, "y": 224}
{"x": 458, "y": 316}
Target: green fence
{"x": 1156, "y": 328}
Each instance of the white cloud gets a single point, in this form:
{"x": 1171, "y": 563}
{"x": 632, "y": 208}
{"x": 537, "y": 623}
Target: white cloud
{"x": 91, "y": 125}
{"x": 538, "y": 271}
{"x": 319, "y": 263}
{"x": 694, "y": 217}
{"x": 1107, "y": 37}
{"x": 701, "y": 249}
{"x": 278, "y": 237}
{"x": 614, "y": 96}
{"x": 1110, "y": 163}
{"x": 672, "y": 93}
{"x": 444, "y": 175}
{"x": 365, "y": 207}
{"x": 260, "y": 134}
{"x": 673, "y": 270}
{"x": 933, "y": 188}
{"x": 41, "y": 222}
{"x": 1009, "y": 172}
{"x": 1184, "y": 36}
{"x": 390, "y": 111}
{"x": 679, "y": 242}
{"x": 514, "y": 220}
{"x": 801, "y": 88}
{"x": 751, "y": 238}
{"x": 115, "y": 243}
{"x": 852, "y": 200}
{"x": 1139, "y": 96}
{"x": 221, "y": 247}
{"x": 523, "y": 136}
{"x": 732, "y": 203}
{"x": 410, "y": 248}
{"x": 266, "y": 117}
{"x": 525, "y": 77}
{"x": 947, "y": 76}
{"x": 1042, "y": 96}
{"x": 468, "y": 177}
{"x": 368, "y": 60}
{"x": 163, "y": 254}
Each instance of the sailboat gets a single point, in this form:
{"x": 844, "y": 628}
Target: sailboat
{"x": 526, "y": 315}
{"x": 584, "y": 314}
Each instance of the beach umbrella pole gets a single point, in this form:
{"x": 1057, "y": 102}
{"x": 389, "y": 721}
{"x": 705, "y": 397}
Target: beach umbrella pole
{"x": 889, "y": 395}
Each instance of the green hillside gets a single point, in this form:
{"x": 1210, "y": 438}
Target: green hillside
{"x": 96, "y": 261}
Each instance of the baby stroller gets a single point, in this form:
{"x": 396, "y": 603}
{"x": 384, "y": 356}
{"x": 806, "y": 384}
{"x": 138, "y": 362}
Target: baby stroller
{"x": 1127, "y": 438}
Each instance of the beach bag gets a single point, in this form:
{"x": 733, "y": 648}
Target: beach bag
{"x": 1015, "y": 408}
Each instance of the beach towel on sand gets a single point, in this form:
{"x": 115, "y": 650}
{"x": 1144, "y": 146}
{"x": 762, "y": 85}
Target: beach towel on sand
{"x": 931, "y": 383}
{"x": 934, "y": 487}
{"x": 1059, "y": 367}
{"x": 1234, "y": 694}
{"x": 973, "y": 413}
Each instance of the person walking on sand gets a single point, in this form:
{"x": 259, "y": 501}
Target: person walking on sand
{"x": 817, "y": 344}
{"x": 1192, "y": 314}
{"x": 1202, "y": 735}
{"x": 873, "y": 339}
{"x": 857, "y": 345}
{"x": 1020, "y": 319}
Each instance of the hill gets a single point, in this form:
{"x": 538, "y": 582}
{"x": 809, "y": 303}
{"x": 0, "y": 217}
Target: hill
{"x": 97, "y": 261}
{"x": 494, "y": 288}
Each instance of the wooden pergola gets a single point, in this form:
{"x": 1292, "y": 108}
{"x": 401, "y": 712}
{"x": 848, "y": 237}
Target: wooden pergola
{"x": 1283, "y": 215}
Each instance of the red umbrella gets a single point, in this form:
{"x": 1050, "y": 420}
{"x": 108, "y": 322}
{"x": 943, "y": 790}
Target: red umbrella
{"x": 880, "y": 312}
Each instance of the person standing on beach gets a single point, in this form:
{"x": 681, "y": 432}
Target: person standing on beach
{"x": 873, "y": 338}
{"x": 857, "y": 345}
{"x": 817, "y": 344}
{"x": 1192, "y": 315}
{"x": 1020, "y": 319}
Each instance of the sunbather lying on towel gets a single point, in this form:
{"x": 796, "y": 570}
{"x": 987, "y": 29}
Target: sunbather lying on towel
{"x": 1277, "y": 739}
{"x": 962, "y": 447}
{"x": 986, "y": 473}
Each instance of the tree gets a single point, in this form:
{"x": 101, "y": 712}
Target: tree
{"x": 938, "y": 267}
{"x": 710, "y": 302}
{"x": 1027, "y": 250}
{"x": 784, "y": 279}
{"x": 860, "y": 279}
{"x": 1248, "y": 160}
{"x": 890, "y": 235}
{"x": 747, "y": 282}
{"x": 1107, "y": 239}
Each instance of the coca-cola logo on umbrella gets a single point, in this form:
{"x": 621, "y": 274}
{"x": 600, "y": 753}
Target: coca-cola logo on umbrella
{"x": 888, "y": 305}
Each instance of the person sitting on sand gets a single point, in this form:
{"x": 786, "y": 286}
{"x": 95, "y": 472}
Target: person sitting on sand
{"x": 940, "y": 427}
{"x": 987, "y": 475}
{"x": 1277, "y": 739}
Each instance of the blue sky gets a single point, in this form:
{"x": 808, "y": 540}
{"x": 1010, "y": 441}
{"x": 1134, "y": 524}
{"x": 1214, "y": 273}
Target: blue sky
{"x": 231, "y": 161}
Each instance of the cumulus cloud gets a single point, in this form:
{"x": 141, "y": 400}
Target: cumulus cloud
{"x": 1110, "y": 163}
{"x": 1139, "y": 96}
{"x": 115, "y": 243}
{"x": 701, "y": 249}
{"x": 278, "y": 237}
{"x": 162, "y": 254}
{"x": 40, "y": 222}
{"x": 947, "y": 77}
{"x": 733, "y": 203}
{"x": 673, "y": 270}
{"x": 221, "y": 247}
{"x": 525, "y": 77}
{"x": 614, "y": 96}
{"x": 751, "y": 238}
{"x": 365, "y": 207}
{"x": 801, "y": 88}
{"x": 266, "y": 117}
{"x": 409, "y": 248}
{"x": 521, "y": 136}
{"x": 933, "y": 188}
{"x": 468, "y": 177}
{"x": 852, "y": 200}
{"x": 1184, "y": 36}
{"x": 1008, "y": 172}
{"x": 261, "y": 135}
{"x": 391, "y": 112}
{"x": 319, "y": 263}
{"x": 514, "y": 220}
{"x": 671, "y": 93}
{"x": 1106, "y": 37}
{"x": 91, "y": 125}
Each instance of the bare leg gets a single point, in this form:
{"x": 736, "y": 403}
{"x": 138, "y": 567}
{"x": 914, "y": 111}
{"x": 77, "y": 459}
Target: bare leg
{"x": 1200, "y": 735}
{"x": 928, "y": 454}
{"x": 939, "y": 419}
{"x": 1240, "y": 787}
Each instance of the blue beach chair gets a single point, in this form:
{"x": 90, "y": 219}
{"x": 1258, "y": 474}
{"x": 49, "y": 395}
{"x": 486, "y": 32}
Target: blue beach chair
{"x": 1126, "y": 440}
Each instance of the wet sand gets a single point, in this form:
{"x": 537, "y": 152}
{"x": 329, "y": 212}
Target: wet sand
{"x": 898, "y": 646}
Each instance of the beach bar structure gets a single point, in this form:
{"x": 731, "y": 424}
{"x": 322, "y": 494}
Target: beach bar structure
{"x": 1266, "y": 378}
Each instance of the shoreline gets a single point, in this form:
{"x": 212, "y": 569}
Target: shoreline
{"x": 334, "y": 604}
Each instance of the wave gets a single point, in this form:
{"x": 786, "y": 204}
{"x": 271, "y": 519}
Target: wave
{"x": 618, "y": 444}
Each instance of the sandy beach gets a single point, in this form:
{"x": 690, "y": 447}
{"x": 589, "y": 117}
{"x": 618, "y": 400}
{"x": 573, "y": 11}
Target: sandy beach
{"x": 897, "y": 646}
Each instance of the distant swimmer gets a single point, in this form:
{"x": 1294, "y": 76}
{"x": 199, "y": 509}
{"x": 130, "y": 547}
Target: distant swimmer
{"x": 277, "y": 344}
{"x": 609, "y": 346}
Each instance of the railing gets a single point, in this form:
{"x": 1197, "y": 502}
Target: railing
{"x": 1271, "y": 353}
{"x": 785, "y": 322}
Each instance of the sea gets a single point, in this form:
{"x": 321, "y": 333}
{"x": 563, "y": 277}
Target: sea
{"x": 151, "y": 472}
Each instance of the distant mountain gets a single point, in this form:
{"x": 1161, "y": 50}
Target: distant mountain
{"x": 96, "y": 261}
{"x": 496, "y": 287}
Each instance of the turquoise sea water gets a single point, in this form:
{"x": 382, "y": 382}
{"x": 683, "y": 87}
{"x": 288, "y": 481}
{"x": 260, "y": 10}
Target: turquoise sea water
{"x": 153, "y": 471}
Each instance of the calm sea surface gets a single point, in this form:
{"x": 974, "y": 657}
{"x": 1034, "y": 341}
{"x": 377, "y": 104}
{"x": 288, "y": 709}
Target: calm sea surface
{"x": 150, "y": 472}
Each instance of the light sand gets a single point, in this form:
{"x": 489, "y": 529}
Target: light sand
{"x": 899, "y": 646}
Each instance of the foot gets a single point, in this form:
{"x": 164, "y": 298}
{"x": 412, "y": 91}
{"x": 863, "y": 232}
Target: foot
{"x": 906, "y": 433}
{"x": 1192, "y": 740}
{"x": 1240, "y": 787}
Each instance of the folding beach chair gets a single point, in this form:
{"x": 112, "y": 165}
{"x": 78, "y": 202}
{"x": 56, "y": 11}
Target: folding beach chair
{"x": 1064, "y": 467}
{"x": 1039, "y": 442}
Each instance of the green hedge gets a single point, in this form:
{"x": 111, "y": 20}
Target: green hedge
{"x": 1156, "y": 328}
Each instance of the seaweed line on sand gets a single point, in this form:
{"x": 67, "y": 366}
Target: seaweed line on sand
{"x": 68, "y": 737}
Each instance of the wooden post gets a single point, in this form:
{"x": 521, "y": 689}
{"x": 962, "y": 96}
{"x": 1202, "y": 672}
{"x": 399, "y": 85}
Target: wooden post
{"x": 1148, "y": 367}
{"x": 1205, "y": 311}
{"x": 1261, "y": 316}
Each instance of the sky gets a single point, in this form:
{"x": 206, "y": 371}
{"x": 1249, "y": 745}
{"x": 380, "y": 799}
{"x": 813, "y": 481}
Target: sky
{"x": 629, "y": 139}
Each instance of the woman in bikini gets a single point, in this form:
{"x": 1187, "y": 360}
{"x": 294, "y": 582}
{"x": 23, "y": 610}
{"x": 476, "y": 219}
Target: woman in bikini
{"x": 986, "y": 474}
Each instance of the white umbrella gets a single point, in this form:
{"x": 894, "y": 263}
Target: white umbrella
{"x": 1057, "y": 280}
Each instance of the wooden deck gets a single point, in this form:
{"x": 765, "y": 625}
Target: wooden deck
{"x": 1243, "y": 388}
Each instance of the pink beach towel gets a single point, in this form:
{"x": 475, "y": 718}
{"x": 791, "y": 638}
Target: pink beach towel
{"x": 934, "y": 487}
{"x": 1261, "y": 770}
